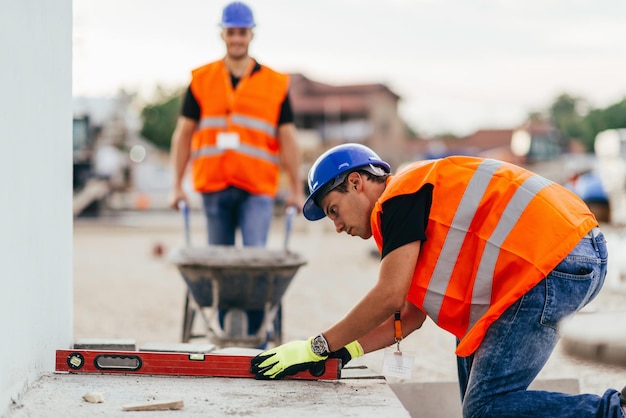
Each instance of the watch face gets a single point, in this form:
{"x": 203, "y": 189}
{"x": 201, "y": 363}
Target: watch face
{"x": 319, "y": 346}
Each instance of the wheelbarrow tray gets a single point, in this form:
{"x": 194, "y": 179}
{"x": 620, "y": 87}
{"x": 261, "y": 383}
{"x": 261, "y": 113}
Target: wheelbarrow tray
{"x": 235, "y": 280}
{"x": 226, "y": 277}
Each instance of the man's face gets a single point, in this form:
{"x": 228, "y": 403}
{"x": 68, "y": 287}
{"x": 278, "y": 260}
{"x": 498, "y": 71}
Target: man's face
{"x": 237, "y": 41}
{"x": 350, "y": 212}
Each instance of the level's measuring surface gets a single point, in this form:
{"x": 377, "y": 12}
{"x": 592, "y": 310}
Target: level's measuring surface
{"x": 175, "y": 364}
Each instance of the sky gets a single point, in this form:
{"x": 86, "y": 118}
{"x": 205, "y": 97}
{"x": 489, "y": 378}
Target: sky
{"x": 458, "y": 65}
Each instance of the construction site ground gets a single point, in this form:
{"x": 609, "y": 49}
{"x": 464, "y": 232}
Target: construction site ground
{"x": 125, "y": 288}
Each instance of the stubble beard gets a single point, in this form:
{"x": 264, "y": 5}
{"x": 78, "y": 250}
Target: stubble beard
{"x": 237, "y": 56}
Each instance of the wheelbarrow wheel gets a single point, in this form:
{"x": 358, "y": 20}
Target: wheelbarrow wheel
{"x": 188, "y": 318}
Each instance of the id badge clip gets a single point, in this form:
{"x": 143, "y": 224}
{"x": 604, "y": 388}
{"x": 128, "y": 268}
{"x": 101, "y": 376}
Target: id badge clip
{"x": 396, "y": 363}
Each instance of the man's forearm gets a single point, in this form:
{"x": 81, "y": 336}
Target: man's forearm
{"x": 179, "y": 161}
{"x": 384, "y": 335}
{"x": 290, "y": 157}
{"x": 180, "y": 151}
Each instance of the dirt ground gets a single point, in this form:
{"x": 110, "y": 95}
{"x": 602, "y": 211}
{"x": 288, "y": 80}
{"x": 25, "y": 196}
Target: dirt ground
{"x": 126, "y": 288}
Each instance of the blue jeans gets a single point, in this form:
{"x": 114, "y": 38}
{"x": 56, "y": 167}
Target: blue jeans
{"x": 494, "y": 380}
{"x": 231, "y": 209}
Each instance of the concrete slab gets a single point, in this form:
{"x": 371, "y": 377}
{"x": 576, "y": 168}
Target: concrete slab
{"x": 359, "y": 372}
{"x": 597, "y": 336}
{"x": 126, "y": 344}
{"x": 60, "y": 395}
{"x": 442, "y": 399}
{"x": 160, "y": 347}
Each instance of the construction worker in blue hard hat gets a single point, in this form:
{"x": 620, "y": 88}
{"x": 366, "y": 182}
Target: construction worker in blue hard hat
{"x": 236, "y": 127}
{"x": 490, "y": 252}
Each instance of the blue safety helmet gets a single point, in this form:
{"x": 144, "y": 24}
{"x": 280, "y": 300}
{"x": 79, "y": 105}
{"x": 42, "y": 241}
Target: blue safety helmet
{"x": 237, "y": 15}
{"x": 331, "y": 168}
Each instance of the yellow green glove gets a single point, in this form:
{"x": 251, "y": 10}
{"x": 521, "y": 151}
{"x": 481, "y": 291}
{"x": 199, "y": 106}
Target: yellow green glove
{"x": 348, "y": 352}
{"x": 285, "y": 360}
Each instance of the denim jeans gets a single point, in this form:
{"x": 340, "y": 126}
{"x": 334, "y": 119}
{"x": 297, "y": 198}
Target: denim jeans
{"x": 231, "y": 209}
{"x": 494, "y": 380}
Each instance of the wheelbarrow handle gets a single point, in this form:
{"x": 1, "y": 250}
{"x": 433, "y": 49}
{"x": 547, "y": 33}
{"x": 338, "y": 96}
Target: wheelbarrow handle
{"x": 184, "y": 208}
{"x": 290, "y": 212}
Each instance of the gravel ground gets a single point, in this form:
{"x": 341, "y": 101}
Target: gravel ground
{"x": 125, "y": 288}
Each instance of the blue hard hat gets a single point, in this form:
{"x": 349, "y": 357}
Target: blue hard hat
{"x": 330, "y": 169}
{"x": 237, "y": 15}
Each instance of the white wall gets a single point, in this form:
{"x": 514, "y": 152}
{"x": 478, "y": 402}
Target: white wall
{"x": 35, "y": 190}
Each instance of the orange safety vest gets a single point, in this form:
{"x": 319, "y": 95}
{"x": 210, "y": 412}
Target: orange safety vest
{"x": 494, "y": 231}
{"x": 252, "y": 111}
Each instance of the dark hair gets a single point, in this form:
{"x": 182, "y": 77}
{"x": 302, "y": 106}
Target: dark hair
{"x": 343, "y": 187}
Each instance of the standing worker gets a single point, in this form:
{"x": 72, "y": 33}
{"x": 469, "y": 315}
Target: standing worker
{"x": 491, "y": 252}
{"x": 236, "y": 126}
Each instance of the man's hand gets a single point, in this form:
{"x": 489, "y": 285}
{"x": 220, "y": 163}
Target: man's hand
{"x": 295, "y": 199}
{"x": 285, "y": 360}
{"x": 176, "y": 195}
{"x": 347, "y": 353}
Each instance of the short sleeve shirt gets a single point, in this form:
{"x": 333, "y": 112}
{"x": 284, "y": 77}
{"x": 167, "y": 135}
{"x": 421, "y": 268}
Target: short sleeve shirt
{"x": 404, "y": 219}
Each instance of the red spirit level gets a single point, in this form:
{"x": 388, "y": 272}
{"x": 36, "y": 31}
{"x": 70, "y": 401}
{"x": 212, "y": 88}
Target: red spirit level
{"x": 174, "y": 364}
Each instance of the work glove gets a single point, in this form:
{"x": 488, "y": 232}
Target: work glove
{"x": 286, "y": 360}
{"x": 347, "y": 353}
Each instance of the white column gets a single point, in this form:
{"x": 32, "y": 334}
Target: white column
{"x": 35, "y": 190}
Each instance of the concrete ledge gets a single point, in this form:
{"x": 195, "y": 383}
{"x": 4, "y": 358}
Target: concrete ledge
{"x": 105, "y": 344}
{"x": 443, "y": 400}
{"x": 598, "y": 337}
{"x": 60, "y": 395}
{"x": 178, "y": 348}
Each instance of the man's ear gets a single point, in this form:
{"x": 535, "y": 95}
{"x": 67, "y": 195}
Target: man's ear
{"x": 354, "y": 180}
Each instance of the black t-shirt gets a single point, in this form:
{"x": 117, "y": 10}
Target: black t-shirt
{"x": 191, "y": 107}
{"x": 404, "y": 219}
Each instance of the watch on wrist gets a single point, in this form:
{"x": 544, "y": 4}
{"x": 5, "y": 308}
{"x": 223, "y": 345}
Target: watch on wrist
{"x": 319, "y": 345}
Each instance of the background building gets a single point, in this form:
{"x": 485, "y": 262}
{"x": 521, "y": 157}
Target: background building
{"x": 328, "y": 115}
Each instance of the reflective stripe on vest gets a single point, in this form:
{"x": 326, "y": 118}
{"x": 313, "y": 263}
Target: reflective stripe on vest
{"x": 212, "y": 122}
{"x": 481, "y": 294}
{"x": 242, "y": 148}
{"x": 253, "y": 123}
{"x": 241, "y": 120}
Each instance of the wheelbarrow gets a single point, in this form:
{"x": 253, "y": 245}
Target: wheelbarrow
{"x": 232, "y": 280}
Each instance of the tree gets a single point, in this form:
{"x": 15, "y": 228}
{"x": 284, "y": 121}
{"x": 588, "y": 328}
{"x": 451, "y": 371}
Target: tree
{"x": 566, "y": 113}
{"x": 598, "y": 120}
{"x": 576, "y": 120}
{"x": 159, "y": 118}
{"x": 615, "y": 115}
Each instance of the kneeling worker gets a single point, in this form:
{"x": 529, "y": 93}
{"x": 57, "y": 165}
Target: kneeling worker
{"x": 491, "y": 252}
